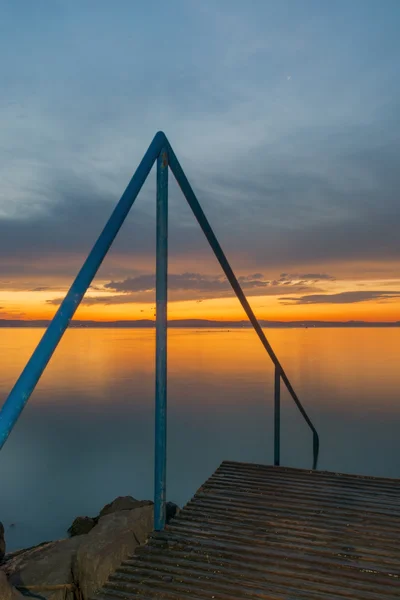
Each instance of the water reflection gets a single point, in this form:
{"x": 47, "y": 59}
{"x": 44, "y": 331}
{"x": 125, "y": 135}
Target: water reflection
{"x": 86, "y": 435}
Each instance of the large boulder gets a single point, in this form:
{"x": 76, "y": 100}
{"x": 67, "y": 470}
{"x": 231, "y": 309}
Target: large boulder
{"x": 123, "y": 503}
{"x": 7, "y": 591}
{"x": 2, "y": 542}
{"x": 102, "y": 550}
{"x": 82, "y": 525}
{"x": 46, "y": 570}
{"x": 171, "y": 511}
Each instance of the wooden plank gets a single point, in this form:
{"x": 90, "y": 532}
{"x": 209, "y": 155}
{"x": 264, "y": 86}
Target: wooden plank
{"x": 260, "y": 532}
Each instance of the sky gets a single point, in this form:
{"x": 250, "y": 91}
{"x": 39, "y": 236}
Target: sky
{"x": 284, "y": 115}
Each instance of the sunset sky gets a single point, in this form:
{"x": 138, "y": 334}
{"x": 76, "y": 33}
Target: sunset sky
{"x": 284, "y": 115}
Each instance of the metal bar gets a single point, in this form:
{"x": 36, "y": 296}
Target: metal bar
{"x": 277, "y": 417}
{"x": 160, "y": 465}
{"x": 29, "y": 377}
{"x": 210, "y": 235}
{"x": 315, "y": 449}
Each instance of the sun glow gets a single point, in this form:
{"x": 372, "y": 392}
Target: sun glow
{"x": 35, "y": 305}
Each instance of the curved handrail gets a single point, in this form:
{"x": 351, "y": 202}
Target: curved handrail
{"x": 223, "y": 261}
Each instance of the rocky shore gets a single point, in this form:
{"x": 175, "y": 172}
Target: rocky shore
{"x": 76, "y": 567}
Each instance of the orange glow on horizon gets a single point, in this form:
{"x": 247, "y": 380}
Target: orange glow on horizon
{"x": 34, "y": 306}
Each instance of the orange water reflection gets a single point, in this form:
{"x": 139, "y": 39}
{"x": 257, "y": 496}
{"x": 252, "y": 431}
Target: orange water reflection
{"x": 352, "y": 368}
{"x": 87, "y": 434}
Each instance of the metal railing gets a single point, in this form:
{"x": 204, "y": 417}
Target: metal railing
{"x": 161, "y": 152}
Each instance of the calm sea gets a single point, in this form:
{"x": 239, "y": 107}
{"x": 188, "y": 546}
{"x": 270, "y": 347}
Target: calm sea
{"x": 86, "y": 435}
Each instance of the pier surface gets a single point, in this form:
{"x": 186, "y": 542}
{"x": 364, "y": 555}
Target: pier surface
{"x": 263, "y": 532}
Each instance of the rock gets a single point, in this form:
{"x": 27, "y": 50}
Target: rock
{"x": 81, "y": 525}
{"x": 2, "y": 542}
{"x": 12, "y": 555}
{"x": 102, "y": 550}
{"x": 171, "y": 511}
{"x": 123, "y": 503}
{"x": 7, "y": 591}
{"x": 46, "y": 570}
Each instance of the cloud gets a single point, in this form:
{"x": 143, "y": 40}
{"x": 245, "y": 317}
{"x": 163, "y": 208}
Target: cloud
{"x": 291, "y": 174}
{"x": 188, "y": 286}
{"x": 314, "y": 276}
{"x": 295, "y": 218}
{"x": 288, "y": 278}
{"x": 245, "y": 278}
{"x": 342, "y": 297}
{"x": 186, "y": 281}
{"x": 182, "y": 286}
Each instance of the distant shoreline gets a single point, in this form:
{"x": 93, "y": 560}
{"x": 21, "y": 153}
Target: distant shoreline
{"x": 196, "y": 324}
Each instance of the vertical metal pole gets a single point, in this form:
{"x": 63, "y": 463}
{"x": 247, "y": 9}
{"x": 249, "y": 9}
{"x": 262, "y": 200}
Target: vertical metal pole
{"x": 160, "y": 467}
{"x": 277, "y": 417}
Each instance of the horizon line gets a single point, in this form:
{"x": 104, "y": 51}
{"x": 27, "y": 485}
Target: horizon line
{"x": 150, "y": 323}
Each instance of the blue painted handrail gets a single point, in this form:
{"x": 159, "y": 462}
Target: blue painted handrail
{"x": 223, "y": 261}
{"x": 160, "y": 151}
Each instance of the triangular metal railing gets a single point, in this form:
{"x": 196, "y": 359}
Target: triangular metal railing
{"x": 159, "y": 150}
